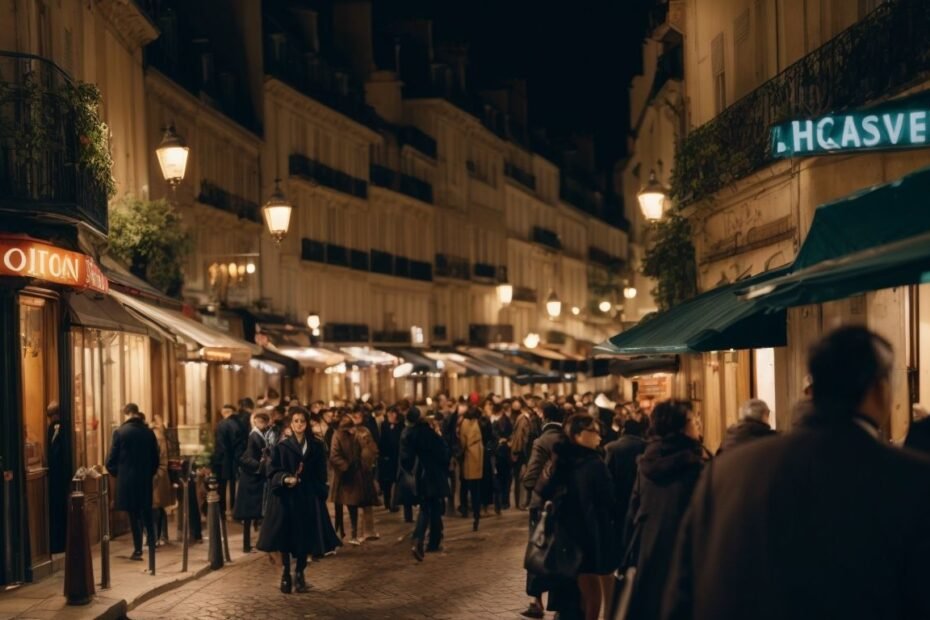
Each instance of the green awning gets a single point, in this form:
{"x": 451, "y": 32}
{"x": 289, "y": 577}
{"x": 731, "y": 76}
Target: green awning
{"x": 713, "y": 321}
{"x": 867, "y": 219}
{"x": 894, "y": 264}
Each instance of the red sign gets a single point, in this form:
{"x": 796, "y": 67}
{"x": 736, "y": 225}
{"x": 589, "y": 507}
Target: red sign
{"x": 27, "y": 258}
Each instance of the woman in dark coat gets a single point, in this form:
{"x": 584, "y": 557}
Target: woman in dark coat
{"x": 668, "y": 472}
{"x": 587, "y": 511}
{"x": 253, "y": 463}
{"x": 388, "y": 451}
{"x": 297, "y": 476}
{"x": 489, "y": 439}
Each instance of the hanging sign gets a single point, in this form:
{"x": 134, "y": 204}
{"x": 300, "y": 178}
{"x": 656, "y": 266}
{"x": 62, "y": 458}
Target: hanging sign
{"x": 899, "y": 124}
{"x": 28, "y": 258}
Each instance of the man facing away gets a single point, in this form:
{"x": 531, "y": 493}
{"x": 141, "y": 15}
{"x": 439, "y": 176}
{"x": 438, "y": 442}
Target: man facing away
{"x": 826, "y": 521}
{"x": 753, "y": 424}
{"x": 424, "y": 453}
{"x": 226, "y": 455}
{"x": 133, "y": 460}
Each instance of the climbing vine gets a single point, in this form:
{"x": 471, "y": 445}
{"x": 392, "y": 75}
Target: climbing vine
{"x": 670, "y": 261}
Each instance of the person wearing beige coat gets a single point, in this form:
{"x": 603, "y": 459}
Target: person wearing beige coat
{"x": 472, "y": 460}
{"x": 163, "y": 495}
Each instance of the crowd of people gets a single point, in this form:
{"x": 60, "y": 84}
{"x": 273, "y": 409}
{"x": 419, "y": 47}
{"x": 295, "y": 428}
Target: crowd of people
{"x": 793, "y": 518}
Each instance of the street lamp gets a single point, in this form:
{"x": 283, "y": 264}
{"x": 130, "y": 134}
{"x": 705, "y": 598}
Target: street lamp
{"x": 604, "y": 306}
{"x": 505, "y": 293}
{"x": 576, "y": 310}
{"x": 629, "y": 292}
{"x": 553, "y": 305}
{"x": 313, "y": 320}
{"x": 172, "y": 157}
{"x": 531, "y": 341}
{"x": 277, "y": 212}
{"x": 652, "y": 198}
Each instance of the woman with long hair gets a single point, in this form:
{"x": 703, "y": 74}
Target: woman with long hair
{"x": 297, "y": 478}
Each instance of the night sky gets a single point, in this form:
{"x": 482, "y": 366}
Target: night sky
{"x": 578, "y": 56}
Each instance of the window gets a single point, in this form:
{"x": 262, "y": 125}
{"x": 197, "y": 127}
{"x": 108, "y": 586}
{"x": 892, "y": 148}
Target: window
{"x": 719, "y": 75}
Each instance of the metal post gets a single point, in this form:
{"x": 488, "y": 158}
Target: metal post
{"x": 79, "y": 567}
{"x": 105, "y": 531}
{"x": 185, "y": 511}
{"x": 215, "y": 549}
{"x": 7, "y": 524}
{"x": 225, "y": 537}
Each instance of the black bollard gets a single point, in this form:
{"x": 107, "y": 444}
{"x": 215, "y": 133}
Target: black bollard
{"x": 215, "y": 550}
{"x": 79, "y": 569}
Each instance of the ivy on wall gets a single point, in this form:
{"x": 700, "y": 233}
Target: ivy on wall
{"x": 670, "y": 261}
{"x": 147, "y": 236}
{"x": 93, "y": 135}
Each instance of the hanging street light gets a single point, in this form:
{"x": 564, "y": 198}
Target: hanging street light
{"x": 629, "y": 292}
{"x": 313, "y": 320}
{"x": 604, "y": 306}
{"x": 553, "y": 305}
{"x": 505, "y": 293}
{"x": 172, "y": 155}
{"x": 652, "y": 198}
{"x": 277, "y": 212}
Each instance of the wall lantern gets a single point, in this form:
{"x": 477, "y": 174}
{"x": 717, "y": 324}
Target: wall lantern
{"x": 652, "y": 198}
{"x": 576, "y": 310}
{"x": 553, "y": 305}
{"x": 505, "y": 293}
{"x": 531, "y": 341}
{"x": 629, "y": 292}
{"x": 313, "y": 320}
{"x": 172, "y": 157}
{"x": 604, "y": 306}
{"x": 277, "y": 212}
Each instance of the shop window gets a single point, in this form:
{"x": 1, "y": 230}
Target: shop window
{"x": 764, "y": 378}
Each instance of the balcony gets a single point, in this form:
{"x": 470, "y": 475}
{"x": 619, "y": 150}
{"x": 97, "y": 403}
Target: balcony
{"x": 524, "y": 293}
{"x": 420, "y": 140}
{"x": 358, "y": 260}
{"x": 345, "y": 332}
{"x": 382, "y": 176}
{"x": 312, "y": 170}
{"x": 449, "y": 266}
{"x": 546, "y": 237}
{"x": 605, "y": 259}
{"x": 313, "y": 251}
{"x": 217, "y": 197}
{"x": 521, "y": 176}
{"x": 391, "y": 336}
{"x": 421, "y": 270}
{"x": 382, "y": 262}
{"x": 875, "y": 58}
{"x": 337, "y": 255}
{"x": 51, "y": 159}
{"x": 579, "y": 194}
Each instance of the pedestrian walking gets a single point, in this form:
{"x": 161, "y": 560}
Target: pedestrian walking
{"x": 754, "y": 424}
{"x": 668, "y": 472}
{"x": 353, "y": 484}
{"x": 472, "y": 461}
{"x": 578, "y": 480}
{"x": 519, "y": 447}
{"x": 253, "y": 478}
{"x": 621, "y": 458}
{"x": 163, "y": 495}
{"x": 406, "y": 494}
{"x": 424, "y": 452}
{"x": 503, "y": 429}
{"x": 133, "y": 461}
{"x": 297, "y": 476}
{"x": 540, "y": 455}
{"x": 825, "y": 521}
{"x": 489, "y": 494}
{"x": 389, "y": 454}
{"x": 226, "y": 455}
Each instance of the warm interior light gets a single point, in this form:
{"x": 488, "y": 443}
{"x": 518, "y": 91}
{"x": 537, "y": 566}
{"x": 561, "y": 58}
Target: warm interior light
{"x": 604, "y": 306}
{"x": 241, "y": 269}
{"x": 250, "y": 268}
{"x": 553, "y": 305}
{"x": 172, "y": 156}
{"x": 313, "y": 321}
{"x": 505, "y": 293}
{"x": 576, "y": 310}
{"x": 277, "y": 212}
{"x": 232, "y": 269}
{"x": 629, "y": 292}
{"x": 531, "y": 341}
{"x": 652, "y": 198}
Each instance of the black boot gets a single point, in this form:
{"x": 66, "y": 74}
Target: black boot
{"x": 286, "y": 583}
{"x": 417, "y": 549}
{"x": 300, "y": 583}
{"x": 474, "y": 525}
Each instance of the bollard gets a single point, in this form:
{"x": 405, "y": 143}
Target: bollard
{"x": 79, "y": 570}
{"x": 7, "y": 523}
{"x": 225, "y": 538}
{"x": 105, "y": 531}
{"x": 215, "y": 550}
{"x": 184, "y": 523}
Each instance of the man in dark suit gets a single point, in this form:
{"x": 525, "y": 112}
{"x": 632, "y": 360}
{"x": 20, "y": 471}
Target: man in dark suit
{"x": 621, "y": 461}
{"x": 133, "y": 460}
{"x": 226, "y": 453}
{"x": 827, "y": 521}
{"x": 423, "y": 452}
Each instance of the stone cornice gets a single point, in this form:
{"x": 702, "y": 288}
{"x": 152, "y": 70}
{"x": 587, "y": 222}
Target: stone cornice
{"x": 176, "y": 96}
{"x": 129, "y": 22}
{"x": 300, "y": 102}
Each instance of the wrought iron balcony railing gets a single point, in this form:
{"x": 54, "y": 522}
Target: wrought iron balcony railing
{"x": 216, "y": 196}
{"x": 546, "y": 237}
{"x": 521, "y": 176}
{"x": 875, "y": 58}
{"x": 449, "y": 266}
{"x": 418, "y": 139}
{"x": 43, "y": 163}
{"x": 382, "y": 176}
{"x": 302, "y": 166}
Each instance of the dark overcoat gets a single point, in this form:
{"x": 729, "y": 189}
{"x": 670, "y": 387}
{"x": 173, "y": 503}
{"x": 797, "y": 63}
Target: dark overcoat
{"x": 825, "y": 521}
{"x": 253, "y": 477}
{"x": 133, "y": 460}
{"x": 293, "y": 522}
{"x": 389, "y": 451}
{"x": 744, "y": 432}
{"x": 621, "y": 462}
{"x": 426, "y": 454}
{"x": 227, "y": 450}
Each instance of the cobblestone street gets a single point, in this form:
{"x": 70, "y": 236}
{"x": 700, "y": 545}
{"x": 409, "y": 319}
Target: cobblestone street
{"x": 477, "y": 576}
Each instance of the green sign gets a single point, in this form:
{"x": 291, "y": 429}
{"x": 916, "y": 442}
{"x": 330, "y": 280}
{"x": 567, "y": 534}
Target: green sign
{"x": 902, "y": 124}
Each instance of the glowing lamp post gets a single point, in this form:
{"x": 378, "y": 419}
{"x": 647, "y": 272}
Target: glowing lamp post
{"x": 172, "y": 156}
{"x": 277, "y": 212}
{"x": 505, "y": 293}
{"x": 652, "y": 198}
{"x": 553, "y": 305}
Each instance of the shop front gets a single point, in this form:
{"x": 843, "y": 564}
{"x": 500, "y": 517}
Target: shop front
{"x": 34, "y": 276}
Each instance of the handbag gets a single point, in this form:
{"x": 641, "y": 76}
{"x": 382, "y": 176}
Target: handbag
{"x": 625, "y": 577}
{"x": 551, "y": 551}
{"x": 405, "y": 488}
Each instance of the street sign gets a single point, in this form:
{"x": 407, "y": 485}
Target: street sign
{"x": 899, "y": 124}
